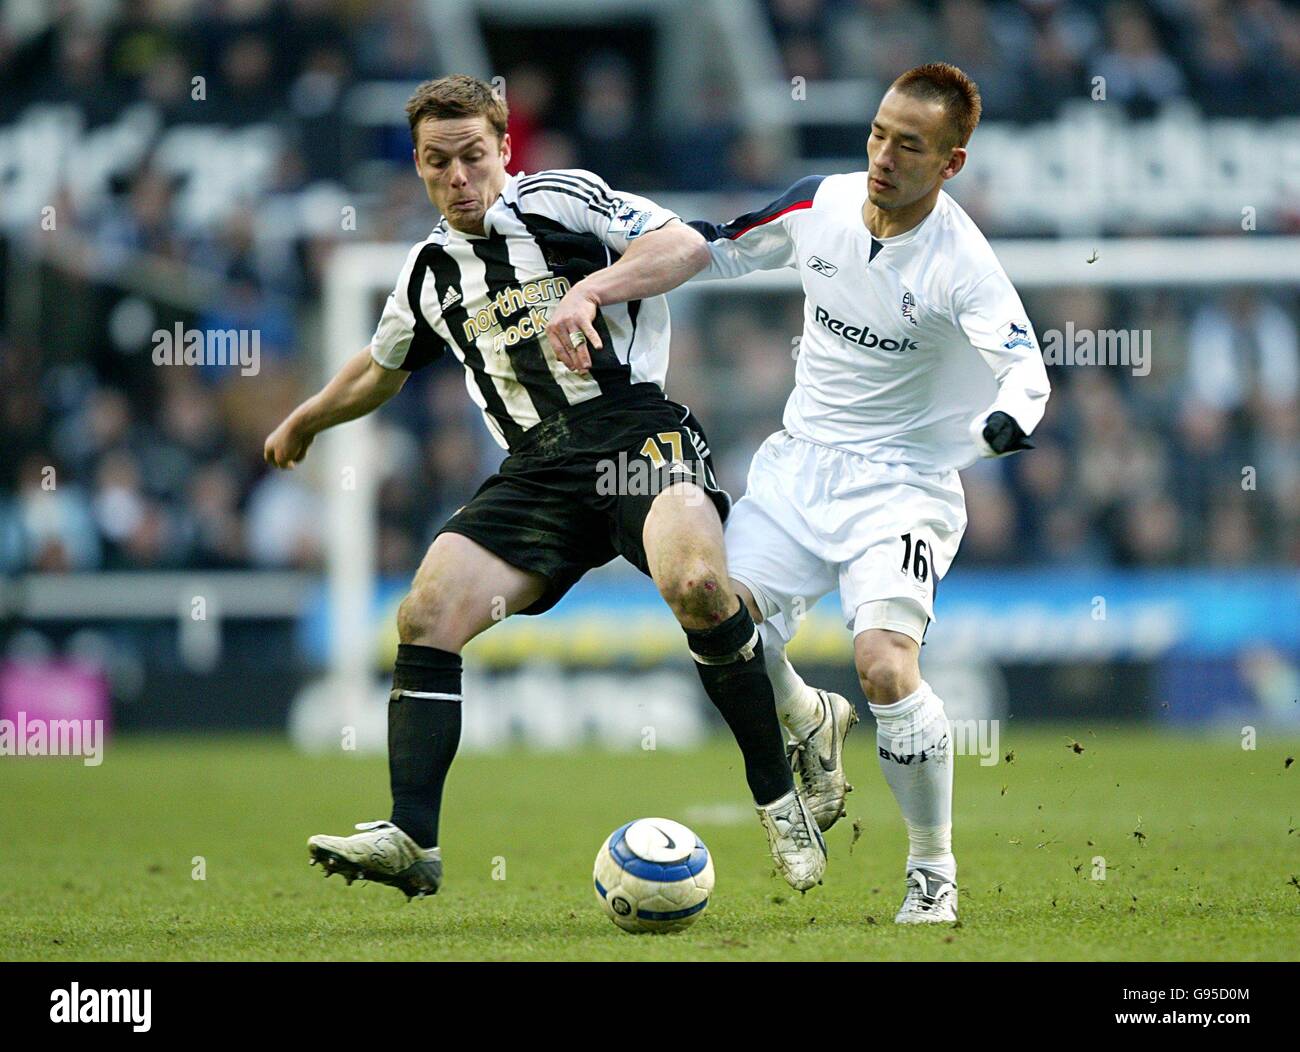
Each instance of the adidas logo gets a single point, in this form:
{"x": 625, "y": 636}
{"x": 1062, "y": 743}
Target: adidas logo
{"x": 452, "y": 297}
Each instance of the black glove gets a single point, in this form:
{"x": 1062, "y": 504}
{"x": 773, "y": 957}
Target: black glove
{"x": 1004, "y": 435}
{"x": 573, "y": 256}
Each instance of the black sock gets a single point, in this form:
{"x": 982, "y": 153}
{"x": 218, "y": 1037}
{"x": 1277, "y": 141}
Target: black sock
{"x": 736, "y": 680}
{"x": 423, "y": 733}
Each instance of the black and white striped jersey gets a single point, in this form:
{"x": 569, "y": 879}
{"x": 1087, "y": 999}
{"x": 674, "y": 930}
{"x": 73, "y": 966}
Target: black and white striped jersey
{"x": 487, "y": 300}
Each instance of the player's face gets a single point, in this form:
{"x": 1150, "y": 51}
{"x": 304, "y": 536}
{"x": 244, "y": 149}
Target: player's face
{"x": 463, "y": 167}
{"x": 910, "y": 151}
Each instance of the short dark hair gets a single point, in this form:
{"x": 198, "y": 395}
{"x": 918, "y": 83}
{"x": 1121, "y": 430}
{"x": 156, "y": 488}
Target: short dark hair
{"x": 946, "y": 84}
{"x": 455, "y": 96}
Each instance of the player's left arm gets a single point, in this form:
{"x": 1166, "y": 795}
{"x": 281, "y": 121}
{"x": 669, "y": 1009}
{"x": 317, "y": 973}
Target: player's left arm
{"x": 994, "y": 320}
{"x": 653, "y": 264}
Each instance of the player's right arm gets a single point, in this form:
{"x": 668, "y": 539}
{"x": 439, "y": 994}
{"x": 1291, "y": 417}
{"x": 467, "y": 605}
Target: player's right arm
{"x": 403, "y": 341}
{"x": 759, "y": 240}
{"x": 360, "y": 387}
{"x": 666, "y": 256}
{"x": 654, "y": 264}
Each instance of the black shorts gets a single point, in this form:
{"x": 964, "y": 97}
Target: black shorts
{"x": 576, "y": 491}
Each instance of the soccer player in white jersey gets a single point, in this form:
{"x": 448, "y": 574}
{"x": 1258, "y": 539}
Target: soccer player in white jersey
{"x": 916, "y": 358}
{"x": 480, "y": 287}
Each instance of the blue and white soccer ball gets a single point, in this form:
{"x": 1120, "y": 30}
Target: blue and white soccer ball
{"x": 653, "y": 875}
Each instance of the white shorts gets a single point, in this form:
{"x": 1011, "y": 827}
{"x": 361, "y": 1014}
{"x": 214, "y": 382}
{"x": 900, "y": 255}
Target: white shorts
{"x": 813, "y": 518}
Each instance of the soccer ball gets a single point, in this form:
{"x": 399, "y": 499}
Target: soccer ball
{"x": 653, "y": 875}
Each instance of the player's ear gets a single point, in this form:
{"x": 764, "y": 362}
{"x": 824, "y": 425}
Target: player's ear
{"x": 505, "y": 149}
{"x": 956, "y": 162}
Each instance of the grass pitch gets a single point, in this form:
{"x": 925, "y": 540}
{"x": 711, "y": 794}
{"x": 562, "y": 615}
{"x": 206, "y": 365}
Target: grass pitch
{"x": 1198, "y": 836}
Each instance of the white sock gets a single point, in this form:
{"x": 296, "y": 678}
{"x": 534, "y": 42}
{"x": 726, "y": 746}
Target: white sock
{"x": 914, "y": 745}
{"x": 796, "y": 705}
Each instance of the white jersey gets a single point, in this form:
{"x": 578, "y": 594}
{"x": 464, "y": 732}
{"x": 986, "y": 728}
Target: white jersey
{"x": 487, "y": 300}
{"x": 907, "y": 340}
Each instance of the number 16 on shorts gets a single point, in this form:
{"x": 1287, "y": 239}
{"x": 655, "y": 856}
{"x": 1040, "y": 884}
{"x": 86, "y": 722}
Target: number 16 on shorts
{"x": 916, "y": 558}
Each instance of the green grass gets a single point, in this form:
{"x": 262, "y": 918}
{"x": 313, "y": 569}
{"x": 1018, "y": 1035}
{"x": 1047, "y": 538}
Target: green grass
{"x": 95, "y": 863}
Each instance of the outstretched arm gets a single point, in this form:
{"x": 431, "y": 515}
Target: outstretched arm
{"x": 654, "y": 264}
{"x": 362, "y": 385}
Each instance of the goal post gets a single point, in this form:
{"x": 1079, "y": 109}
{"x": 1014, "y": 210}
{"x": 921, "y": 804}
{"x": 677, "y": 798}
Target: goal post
{"x": 354, "y": 276}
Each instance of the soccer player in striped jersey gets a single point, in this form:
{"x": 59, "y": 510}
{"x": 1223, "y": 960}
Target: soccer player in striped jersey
{"x": 916, "y": 358}
{"x": 600, "y": 464}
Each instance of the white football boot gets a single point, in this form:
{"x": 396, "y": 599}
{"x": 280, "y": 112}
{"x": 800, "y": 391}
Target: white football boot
{"x": 797, "y": 846}
{"x": 930, "y": 899}
{"x": 819, "y": 759}
{"x": 382, "y": 853}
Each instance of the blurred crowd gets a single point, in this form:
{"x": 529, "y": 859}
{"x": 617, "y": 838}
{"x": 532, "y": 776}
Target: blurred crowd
{"x": 1028, "y": 56}
{"x": 112, "y": 462}
{"x": 586, "y": 94}
{"x": 1197, "y": 462}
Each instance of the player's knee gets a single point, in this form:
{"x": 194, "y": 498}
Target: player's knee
{"x": 886, "y": 668}
{"x": 883, "y": 678}
{"x": 697, "y": 593}
{"x": 421, "y": 615}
